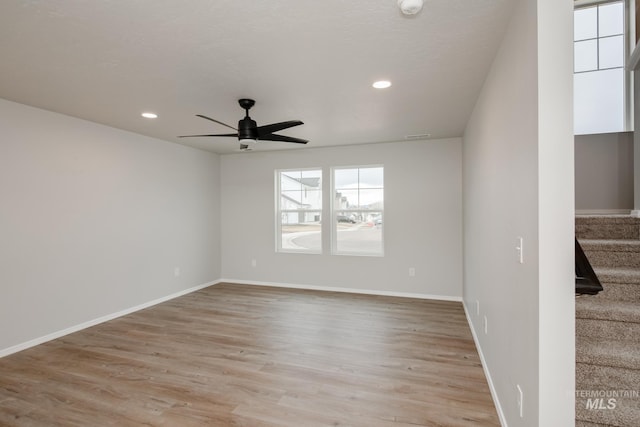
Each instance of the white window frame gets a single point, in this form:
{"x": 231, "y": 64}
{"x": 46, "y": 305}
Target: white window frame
{"x": 279, "y": 211}
{"x": 629, "y": 32}
{"x": 334, "y": 213}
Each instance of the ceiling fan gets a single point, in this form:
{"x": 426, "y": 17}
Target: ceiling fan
{"x": 248, "y": 131}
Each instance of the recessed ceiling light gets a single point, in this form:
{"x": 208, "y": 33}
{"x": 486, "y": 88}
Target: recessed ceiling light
{"x": 382, "y": 84}
{"x": 150, "y": 115}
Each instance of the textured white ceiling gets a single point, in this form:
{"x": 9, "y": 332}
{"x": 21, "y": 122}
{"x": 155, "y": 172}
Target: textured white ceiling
{"x": 310, "y": 60}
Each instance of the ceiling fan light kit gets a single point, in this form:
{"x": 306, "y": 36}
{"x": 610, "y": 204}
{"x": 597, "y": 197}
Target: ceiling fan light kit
{"x": 410, "y": 7}
{"x": 248, "y": 130}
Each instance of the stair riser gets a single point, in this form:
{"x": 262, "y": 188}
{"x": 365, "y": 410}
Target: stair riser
{"x": 616, "y": 416}
{"x": 588, "y": 424}
{"x": 593, "y": 378}
{"x": 607, "y": 259}
{"x": 607, "y": 330}
{"x": 620, "y": 292}
{"x": 597, "y": 377}
{"x": 619, "y": 231}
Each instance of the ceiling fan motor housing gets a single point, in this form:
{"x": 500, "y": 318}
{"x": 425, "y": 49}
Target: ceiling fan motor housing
{"x": 247, "y": 129}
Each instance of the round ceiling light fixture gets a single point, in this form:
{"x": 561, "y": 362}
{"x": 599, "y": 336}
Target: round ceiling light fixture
{"x": 149, "y": 115}
{"x": 381, "y": 84}
{"x": 410, "y": 7}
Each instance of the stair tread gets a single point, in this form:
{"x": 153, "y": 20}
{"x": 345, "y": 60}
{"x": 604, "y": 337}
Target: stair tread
{"x": 614, "y": 218}
{"x": 609, "y": 241}
{"x": 621, "y": 416}
{"x": 614, "y": 353}
{"x": 602, "y": 309}
{"x": 581, "y": 423}
{"x": 607, "y": 220}
{"x": 618, "y": 274}
{"x": 620, "y": 245}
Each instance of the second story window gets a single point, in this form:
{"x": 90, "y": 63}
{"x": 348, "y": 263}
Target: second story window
{"x": 600, "y": 80}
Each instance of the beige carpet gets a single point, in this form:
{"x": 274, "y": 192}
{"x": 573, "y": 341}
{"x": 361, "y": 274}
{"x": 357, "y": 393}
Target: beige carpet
{"x": 608, "y": 324}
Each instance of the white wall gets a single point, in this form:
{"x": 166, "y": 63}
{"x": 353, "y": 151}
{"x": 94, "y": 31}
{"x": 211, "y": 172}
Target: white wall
{"x": 518, "y": 181}
{"x": 422, "y": 222}
{"x": 604, "y": 173}
{"x": 94, "y": 220}
{"x": 556, "y": 214}
{"x": 636, "y": 141}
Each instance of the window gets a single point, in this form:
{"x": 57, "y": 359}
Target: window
{"x": 600, "y": 80}
{"x": 358, "y": 210}
{"x": 299, "y": 211}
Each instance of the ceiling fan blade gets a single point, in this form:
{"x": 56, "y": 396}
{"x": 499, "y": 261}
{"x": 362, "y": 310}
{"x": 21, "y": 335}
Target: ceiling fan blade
{"x": 216, "y": 121}
{"x": 274, "y": 137}
{"x": 275, "y": 127}
{"x": 220, "y": 134}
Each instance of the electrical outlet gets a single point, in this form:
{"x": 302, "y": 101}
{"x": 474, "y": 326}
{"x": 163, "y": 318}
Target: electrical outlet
{"x": 253, "y": 263}
{"x": 485, "y": 325}
{"x": 412, "y": 272}
{"x": 477, "y": 308}
{"x": 176, "y": 271}
{"x": 520, "y": 398}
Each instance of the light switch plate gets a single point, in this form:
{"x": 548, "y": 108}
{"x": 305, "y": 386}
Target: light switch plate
{"x": 520, "y": 249}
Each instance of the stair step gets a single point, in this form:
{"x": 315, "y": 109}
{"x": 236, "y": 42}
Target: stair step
{"x": 613, "y": 353}
{"x": 580, "y": 423}
{"x": 621, "y": 415}
{"x": 607, "y": 227}
{"x": 612, "y": 253}
{"x": 618, "y": 275}
{"x": 606, "y": 329}
{"x": 606, "y": 382}
{"x": 603, "y": 319}
{"x": 594, "y": 307}
{"x": 619, "y": 284}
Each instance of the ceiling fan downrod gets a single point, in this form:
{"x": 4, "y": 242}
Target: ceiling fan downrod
{"x": 247, "y": 127}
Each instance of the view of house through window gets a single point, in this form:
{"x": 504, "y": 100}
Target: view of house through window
{"x": 358, "y": 210}
{"x": 299, "y": 210}
{"x": 600, "y": 80}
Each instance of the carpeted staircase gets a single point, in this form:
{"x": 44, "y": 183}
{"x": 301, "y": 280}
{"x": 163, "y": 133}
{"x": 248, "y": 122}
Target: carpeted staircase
{"x": 608, "y": 324}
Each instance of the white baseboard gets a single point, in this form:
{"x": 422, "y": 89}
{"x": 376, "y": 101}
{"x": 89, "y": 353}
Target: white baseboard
{"x": 40, "y": 340}
{"x": 346, "y": 290}
{"x": 603, "y": 211}
{"x": 487, "y": 373}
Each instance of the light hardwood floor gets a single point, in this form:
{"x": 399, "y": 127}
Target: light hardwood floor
{"x": 238, "y": 355}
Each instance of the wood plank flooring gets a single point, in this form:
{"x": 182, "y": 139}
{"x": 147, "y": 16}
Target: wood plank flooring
{"x": 238, "y": 355}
